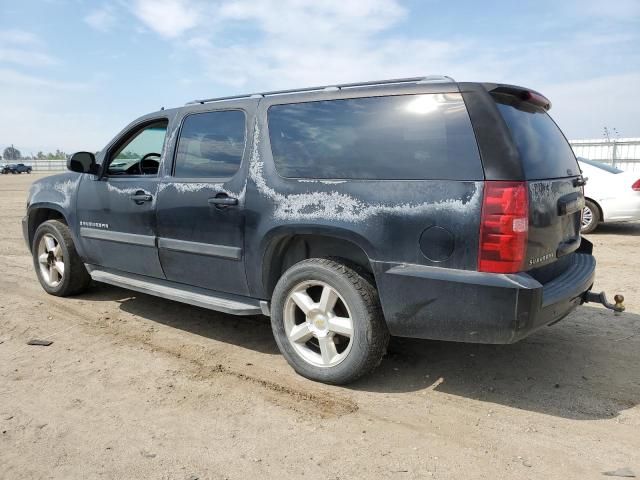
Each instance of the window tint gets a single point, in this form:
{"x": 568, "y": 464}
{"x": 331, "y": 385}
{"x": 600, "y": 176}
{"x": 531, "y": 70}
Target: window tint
{"x": 396, "y": 137}
{"x": 544, "y": 151}
{"x": 126, "y": 160}
{"x": 211, "y": 144}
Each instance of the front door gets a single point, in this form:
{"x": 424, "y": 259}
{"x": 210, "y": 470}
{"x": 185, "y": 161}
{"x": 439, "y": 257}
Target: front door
{"x": 200, "y": 210}
{"x": 116, "y": 212}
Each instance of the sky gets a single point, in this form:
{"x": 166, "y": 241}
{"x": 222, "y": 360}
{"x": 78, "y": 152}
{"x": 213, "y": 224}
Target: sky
{"x": 73, "y": 73}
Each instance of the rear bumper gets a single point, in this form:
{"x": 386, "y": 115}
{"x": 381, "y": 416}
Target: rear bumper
{"x": 467, "y": 306}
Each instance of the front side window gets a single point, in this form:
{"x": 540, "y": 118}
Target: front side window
{"x": 140, "y": 155}
{"x": 403, "y": 137}
{"x": 211, "y": 145}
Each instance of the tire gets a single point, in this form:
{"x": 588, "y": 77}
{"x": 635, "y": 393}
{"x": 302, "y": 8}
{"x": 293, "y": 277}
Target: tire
{"x": 73, "y": 277}
{"x": 337, "y": 344}
{"x": 590, "y": 217}
{"x": 29, "y": 171}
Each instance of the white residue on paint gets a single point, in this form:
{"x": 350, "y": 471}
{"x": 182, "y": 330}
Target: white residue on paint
{"x": 67, "y": 189}
{"x": 192, "y": 187}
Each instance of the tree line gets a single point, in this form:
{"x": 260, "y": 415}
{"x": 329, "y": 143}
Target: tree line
{"x": 12, "y": 154}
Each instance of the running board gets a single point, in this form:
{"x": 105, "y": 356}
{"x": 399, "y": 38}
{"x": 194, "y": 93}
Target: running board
{"x": 221, "y": 302}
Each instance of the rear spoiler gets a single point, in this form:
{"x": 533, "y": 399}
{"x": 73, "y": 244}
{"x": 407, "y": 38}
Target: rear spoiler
{"x": 524, "y": 94}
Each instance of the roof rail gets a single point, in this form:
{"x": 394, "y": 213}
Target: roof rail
{"x": 340, "y": 86}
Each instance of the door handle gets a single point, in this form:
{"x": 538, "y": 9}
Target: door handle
{"x": 222, "y": 200}
{"x": 140, "y": 197}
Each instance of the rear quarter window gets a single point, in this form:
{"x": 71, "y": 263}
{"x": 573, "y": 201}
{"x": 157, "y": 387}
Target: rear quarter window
{"x": 543, "y": 149}
{"x": 394, "y": 137}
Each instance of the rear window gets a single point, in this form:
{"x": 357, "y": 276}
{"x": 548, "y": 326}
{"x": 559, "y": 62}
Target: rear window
{"x": 544, "y": 151}
{"x": 394, "y": 137}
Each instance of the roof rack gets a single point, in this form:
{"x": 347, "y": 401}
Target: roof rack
{"x": 340, "y": 86}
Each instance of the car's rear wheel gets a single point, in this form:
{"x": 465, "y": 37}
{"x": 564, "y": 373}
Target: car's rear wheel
{"x": 590, "y": 217}
{"x": 327, "y": 321}
{"x": 60, "y": 270}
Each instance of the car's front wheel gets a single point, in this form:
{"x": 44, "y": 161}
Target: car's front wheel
{"x": 327, "y": 321}
{"x": 60, "y": 270}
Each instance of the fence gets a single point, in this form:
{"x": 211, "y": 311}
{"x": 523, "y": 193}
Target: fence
{"x": 623, "y": 153}
{"x": 46, "y": 165}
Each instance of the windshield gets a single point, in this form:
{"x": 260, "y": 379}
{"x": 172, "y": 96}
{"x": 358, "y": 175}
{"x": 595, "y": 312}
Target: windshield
{"x": 600, "y": 165}
{"x": 544, "y": 151}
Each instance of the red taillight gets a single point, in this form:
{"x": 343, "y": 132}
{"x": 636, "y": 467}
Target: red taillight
{"x": 504, "y": 227}
{"x": 636, "y": 185}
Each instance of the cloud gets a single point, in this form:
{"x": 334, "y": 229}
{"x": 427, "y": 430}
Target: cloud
{"x": 168, "y": 18}
{"x": 17, "y": 80}
{"x": 102, "y": 19}
{"x": 24, "y": 48}
{"x": 18, "y": 37}
{"x": 583, "y": 108}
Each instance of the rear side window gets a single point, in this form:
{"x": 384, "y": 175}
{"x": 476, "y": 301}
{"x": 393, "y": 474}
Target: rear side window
{"x": 395, "y": 137}
{"x": 544, "y": 151}
{"x": 211, "y": 145}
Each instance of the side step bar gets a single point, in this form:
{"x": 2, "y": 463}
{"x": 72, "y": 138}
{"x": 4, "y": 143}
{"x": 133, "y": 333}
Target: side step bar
{"x": 221, "y": 302}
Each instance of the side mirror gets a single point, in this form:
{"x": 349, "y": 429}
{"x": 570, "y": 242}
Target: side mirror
{"x": 83, "y": 162}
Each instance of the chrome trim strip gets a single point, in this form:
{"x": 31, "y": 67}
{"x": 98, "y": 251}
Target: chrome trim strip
{"x": 198, "y": 248}
{"x": 119, "y": 237}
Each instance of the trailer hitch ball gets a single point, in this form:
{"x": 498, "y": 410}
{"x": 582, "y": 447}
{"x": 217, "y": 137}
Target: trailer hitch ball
{"x": 619, "y": 306}
{"x": 601, "y": 298}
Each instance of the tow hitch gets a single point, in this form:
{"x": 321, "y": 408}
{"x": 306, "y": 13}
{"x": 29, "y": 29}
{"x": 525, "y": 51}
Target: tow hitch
{"x": 601, "y": 298}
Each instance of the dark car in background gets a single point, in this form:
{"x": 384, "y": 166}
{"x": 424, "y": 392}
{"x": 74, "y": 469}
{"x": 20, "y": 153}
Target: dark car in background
{"x": 16, "y": 168}
{"x": 420, "y": 207}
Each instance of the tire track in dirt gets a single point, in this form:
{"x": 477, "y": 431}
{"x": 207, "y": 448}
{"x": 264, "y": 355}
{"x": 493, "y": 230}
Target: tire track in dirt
{"x": 308, "y": 401}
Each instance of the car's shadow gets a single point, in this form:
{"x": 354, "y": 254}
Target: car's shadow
{"x": 576, "y": 369}
{"x": 627, "y": 228}
{"x": 252, "y": 332}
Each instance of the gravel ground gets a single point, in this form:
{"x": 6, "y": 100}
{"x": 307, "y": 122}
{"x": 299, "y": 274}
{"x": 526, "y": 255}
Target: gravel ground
{"x": 140, "y": 387}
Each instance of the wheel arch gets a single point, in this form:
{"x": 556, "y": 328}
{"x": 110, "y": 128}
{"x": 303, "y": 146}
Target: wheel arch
{"x": 284, "y": 246}
{"x": 597, "y": 204}
{"x": 40, "y": 213}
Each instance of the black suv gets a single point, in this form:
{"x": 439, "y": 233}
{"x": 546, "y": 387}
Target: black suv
{"x": 416, "y": 207}
{"x": 16, "y": 168}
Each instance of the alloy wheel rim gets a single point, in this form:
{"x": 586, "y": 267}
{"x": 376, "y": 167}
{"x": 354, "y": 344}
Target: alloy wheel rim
{"x": 51, "y": 260}
{"x": 587, "y": 217}
{"x": 318, "y": 323}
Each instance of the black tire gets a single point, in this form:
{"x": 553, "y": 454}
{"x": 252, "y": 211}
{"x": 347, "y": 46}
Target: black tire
{"x": 75, "y": 279}
{"x": 29, "y": 171}
{"x": 590, "y": 206}
{"x": 370, "y": 334}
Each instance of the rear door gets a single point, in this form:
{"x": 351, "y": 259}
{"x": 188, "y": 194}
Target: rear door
{"x": 201, "y": 202}
{"x": 555, "y": 189}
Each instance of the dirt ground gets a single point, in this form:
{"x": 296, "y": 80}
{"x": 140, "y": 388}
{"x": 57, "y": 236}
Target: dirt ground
{"x": 139, "y": 387}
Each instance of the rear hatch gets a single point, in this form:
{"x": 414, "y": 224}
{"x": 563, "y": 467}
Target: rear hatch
{"x": 553, "y": 180}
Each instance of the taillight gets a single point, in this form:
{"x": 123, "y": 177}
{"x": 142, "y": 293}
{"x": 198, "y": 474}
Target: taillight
{"x": 636, "y": 185}
{"x": 504, "y": 227}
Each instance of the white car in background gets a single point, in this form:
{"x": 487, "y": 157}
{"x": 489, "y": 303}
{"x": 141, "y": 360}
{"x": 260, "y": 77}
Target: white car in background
{"x": 611, "y": 195}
